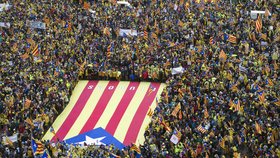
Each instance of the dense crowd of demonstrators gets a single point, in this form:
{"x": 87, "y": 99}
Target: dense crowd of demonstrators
{"x": 224, "y": 104}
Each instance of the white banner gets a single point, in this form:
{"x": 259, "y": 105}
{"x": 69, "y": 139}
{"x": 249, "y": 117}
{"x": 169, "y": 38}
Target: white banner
{"x": 124, "y": 3}
{"x": 127, "y": 32}
{"x": 5, "y": 24}
{"x": 4, "y": 6}
{"x": 12, "y": 138}
{"x": 177, "y": 70}
{"x": 36, "y": 24}
{"x": 174, "y": 139}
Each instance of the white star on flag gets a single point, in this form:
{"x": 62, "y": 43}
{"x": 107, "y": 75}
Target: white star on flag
{"x": 90, "y": 141}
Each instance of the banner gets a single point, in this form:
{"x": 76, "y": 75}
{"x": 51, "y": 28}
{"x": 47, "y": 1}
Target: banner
{"x": 176, "y": 136}
{"x": 177, "y": 70}
{"x": 4, "y": 6}
{"x": 12, "y": 138}
{"x": 128, "y": 32}
{"x": 5, "y": 24}
{"x": 36, "y": 24}
{"x": 106, "y": 111}
{"x": 127, "y": 4}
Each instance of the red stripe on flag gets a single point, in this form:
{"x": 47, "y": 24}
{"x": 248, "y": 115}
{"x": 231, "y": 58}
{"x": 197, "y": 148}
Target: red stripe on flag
{"x": 75, "y": 112}
{"x": 121, "y": 108}
{"x": 140, "y": 115}
{"x": 100, "y": 106}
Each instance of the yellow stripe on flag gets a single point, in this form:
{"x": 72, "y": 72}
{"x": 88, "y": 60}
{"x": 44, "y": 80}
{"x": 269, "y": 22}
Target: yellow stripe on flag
{"x": 140, "y": 138}
{"x": 60, "y": 119}
{"x": 130, "y": 111}
{"x": 86, "y": 112}
{"x": 112, "y": 105}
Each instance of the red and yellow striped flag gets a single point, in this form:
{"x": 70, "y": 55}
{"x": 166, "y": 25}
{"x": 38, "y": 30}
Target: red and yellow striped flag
{"x": 269, "y": 82}
{"x": 231, "y": 104}
{"x": 180, "y": 115}
{"x": 114, "y": 2}
{"x": 232, "y": 39}
{"x": 211, "y": 40}
{"x": 277, "y": 102}
{"x": 187, "y": 5}
{"x": 180, "y": 23}
{"x": 154, "y": 36}
{"x": 146, "y": 35}
{"x": 106, "y": 31}
{"x": 31, "y": 42}
{"x": 27, "y": 103}
{"x": 37, "y": 147}
{"x": 120, "y": 108}
{"x": 206, "y": 114}
{"x": 86, "y": 5}
{"x": 264, "y": 36}
{"x": 259, "y": 24}
{"x": 222, "y": 142}
{"x": 252, "y": 36}
{"x": 201, "y": 129}
{"x": 258, "y": 128}
{"x": 166, "y": 127}
{"x": 135, "y": 148}
{"x": 24, "y": 56}
{"x": 69, "y": 28}
{"x": 35, "y": 51}
{"x": 223, "y": 56}
{"x": 234, "y": 88}
{"x": 8, "y": 141}
{"x": 29, "y": 121}
{"x": 237, "y": 106}
{"x": 181, "y": 2}
{"x": 261, "y": 97}
{"x": 176, "y": 110}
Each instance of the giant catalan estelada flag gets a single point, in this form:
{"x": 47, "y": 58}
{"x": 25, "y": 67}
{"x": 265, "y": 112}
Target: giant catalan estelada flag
{"x": 106, "y": 112}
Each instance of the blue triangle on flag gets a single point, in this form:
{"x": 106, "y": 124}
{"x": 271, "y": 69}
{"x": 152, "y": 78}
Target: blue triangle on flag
{"x": 96, "y": 135}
